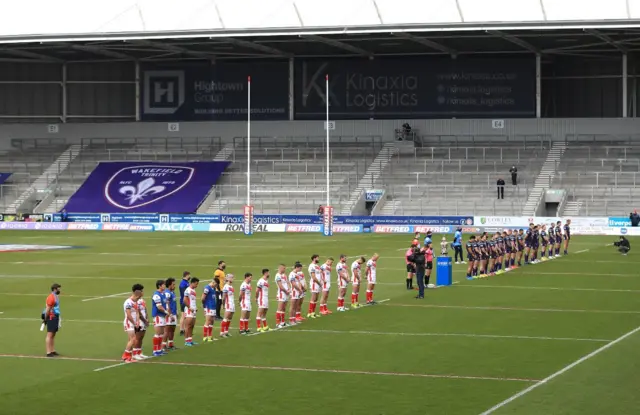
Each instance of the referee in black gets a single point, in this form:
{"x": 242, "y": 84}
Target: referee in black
{"x": 418, "y": 258}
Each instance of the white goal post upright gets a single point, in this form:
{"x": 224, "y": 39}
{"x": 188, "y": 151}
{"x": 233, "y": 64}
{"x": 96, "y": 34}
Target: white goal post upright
{"x": 327, "y": 219}
{"x": 248, "y": 209}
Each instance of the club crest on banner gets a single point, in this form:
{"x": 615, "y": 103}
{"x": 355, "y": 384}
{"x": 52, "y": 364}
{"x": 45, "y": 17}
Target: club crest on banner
{"x": 136, "y": 186}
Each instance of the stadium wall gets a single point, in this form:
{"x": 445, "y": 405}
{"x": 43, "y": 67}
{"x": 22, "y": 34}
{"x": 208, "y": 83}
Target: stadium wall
{"x": 552, "y": 129}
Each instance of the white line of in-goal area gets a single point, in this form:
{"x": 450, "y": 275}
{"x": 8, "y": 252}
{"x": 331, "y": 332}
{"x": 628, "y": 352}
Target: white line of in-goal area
{"x": 560, "y": 372}
{"x": 105, "y": 296}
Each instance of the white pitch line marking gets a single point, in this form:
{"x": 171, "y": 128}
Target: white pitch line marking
{"x": 517, "y": 287}
{"x": 559, "y": 372}
{"x": 100, "y": 369}
{"x": 540, "y": 310}
{"x": 104, "y": 296}
{"x": 488, "y": 336}
{"x": 579, "y": 252}
{"x": 277, "y": 368}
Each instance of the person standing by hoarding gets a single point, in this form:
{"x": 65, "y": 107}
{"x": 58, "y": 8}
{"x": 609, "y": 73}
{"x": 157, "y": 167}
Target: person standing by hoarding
{"x": 457, "y": 246}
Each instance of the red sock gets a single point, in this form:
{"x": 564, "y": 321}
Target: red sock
{"x": 210, "y": 331}
{"x": 292, "y": 319}
{"x": 205, "y": 331}
{"x": 264, "y": 323}
{"x": 298, "y": 314}
{"x": 310, "y": 308}
{"x": 258, "y": 323}
{"x": 222, "y": 327}
{"x": 156, "y": 343}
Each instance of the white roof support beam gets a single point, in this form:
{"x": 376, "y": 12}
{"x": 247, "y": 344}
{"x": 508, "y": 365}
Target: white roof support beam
{"x": 607, "y": 39}
{"x": 102, "y": 52}
{"x": 176, "y": 49}
{"x": 29, "y": 55}
{"x": 515, "y": 40}
{"x": 258, "y": 47}
{"x": 340, "y": 45}
{"x": 428, "y": 43}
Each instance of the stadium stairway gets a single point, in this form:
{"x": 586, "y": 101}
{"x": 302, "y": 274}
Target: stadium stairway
{"x": 542, "y": 182}
{"x": 572, "y": 208}
{"x": 371, "y": 176}
{"x": 47, "y": 178}
{"x": 209, "y": 204}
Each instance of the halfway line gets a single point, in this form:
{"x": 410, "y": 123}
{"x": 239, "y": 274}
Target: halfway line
{"x": 104, "y": 296}
{"x": 276, "y": 368}
{"x": 489, "y": 308}
{"x": 559, "y": 372}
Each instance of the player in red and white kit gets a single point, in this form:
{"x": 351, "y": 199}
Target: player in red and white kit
{"x": 326, "y": 286}
{"x": 262, "y": 299}
{"x": 245, "y": 303}
{"x": 303, "y": 285}
{"x": 343, "y": 280}
{"x": 315, "y": 284}
{"x": 131, "y": 321}
{"x": 190, "y": 311}
{"x": 296, "y": 294}
{"x": 356, "y": 276}
{"x": 143, "y": 317}
{"x": 282, "y": 283}
{"x": 371, "y": 277}
{"x": 228, "y": 299}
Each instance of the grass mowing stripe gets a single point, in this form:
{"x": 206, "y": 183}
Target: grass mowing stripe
{"x": 489, "y": 308}
{"x": 358, "y": 332}
{"x": 276, "y": 368}
{"x": 487, "y": 336}
{"x": 560, "y": 372}
{"x": 518, "y": 287}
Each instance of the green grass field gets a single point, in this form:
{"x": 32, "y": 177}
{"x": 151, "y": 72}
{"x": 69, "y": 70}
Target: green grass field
{"x": 462, "y": 350}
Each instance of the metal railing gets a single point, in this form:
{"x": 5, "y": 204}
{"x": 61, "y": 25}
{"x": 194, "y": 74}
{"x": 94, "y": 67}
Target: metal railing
{"x": 525, "y": 140}
{"x": 309, "y": 141}
{"x": 452, "y": 192}
{"x": 299, "y": 193}
{"x": 462, "y": 208}
{"x": 446, "y": 178}
{"x": 305, "y": 153}
{"x": 597, "y": 179}
{"x": 501, "y": 154}
{"x": 602, "y": 194}
{"x": 309, "y": 207}
{"x": 298, "y": 179}
{"x": 155, "y": 142}
{"x": 446, "y": 166}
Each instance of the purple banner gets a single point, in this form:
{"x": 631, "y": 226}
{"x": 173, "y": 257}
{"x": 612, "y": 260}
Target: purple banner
{"x": 4, "y": 177}
{"x": 33, "y": 226}
{"x": 146, "y": 187}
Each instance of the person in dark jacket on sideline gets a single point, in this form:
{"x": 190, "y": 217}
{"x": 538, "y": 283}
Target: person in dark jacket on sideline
{"x": 419, "y": 260}
{"x": 634, "y": 218}
{"x": 500, "y": 184}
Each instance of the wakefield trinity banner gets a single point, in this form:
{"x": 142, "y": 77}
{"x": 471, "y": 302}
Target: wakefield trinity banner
{"x": 146, "y": 187}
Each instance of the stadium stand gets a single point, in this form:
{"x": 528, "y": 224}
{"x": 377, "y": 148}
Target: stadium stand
{"x": 288, "y": 174}
{"x": 96, "y": 150}
{"x": 600, "y": 175}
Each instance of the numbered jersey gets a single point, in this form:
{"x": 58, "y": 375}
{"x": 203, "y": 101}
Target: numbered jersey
{"x": 315, "y": 271}
{"x": 326, "y": 276}
{"x": 355, "y": 273}
{"x": 245, "y": 296}
{"x": 131, "y": 305}
{"x": 262, "y": 288}
{"x": 371, "y": 271}
{"x": 228, "y": 292}
{"x": 343, "y": 274}
{"x": 281, "y": 280}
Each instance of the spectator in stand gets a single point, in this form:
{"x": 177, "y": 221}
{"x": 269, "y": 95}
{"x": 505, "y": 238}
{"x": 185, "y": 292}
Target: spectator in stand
{"x": 500, "y": 188}
{"x": 514, "y": 175}
{"x": 64, "y": 215}
{"x": 634, "y": 218}
{"x": 320, "y": 210}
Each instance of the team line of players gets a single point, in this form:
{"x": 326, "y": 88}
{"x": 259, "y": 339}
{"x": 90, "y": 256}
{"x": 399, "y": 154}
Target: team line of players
{"x": 291, "y": 291}
{"x": 487, "y": 254}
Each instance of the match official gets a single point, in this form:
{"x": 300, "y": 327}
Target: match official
{"x": 457, "y": 245}
{"x": 419, "y": 261}
{"x": 51, "y": 319}
{"x": 219, "y": 276}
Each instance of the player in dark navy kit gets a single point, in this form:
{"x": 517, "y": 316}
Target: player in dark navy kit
{"x": 535, "y": 244}
{"x": 567, "y": 236}
{"x": 544, "y": 241}
{"x": 508, "y": 250}
{"x": 558, "y": 232}
{"x": 493, "y": 255}
{"x": 528, "y": 241}
{"x": 471, "y": 255}
{"x": 482, "y": 248}
{"x": 521, "y": 245}
{"x": 500, "y": 248}
{"x": 552, "y": 241}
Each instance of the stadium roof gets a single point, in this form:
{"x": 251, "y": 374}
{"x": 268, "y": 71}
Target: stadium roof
{"x": 80, "y": 30}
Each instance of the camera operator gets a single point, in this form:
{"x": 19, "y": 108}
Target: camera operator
{"x": 419, "y": 260}
{"x": 623, "y": 245}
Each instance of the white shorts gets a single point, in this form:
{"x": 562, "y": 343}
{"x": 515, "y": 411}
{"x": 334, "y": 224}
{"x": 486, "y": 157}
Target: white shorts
{"x": 245, "y": 307}
{"x": 315, "y": 288}
{"x": 209, "y": 312}
{"x": 159, "y": 321}
{"x": 172, "y": 320}
{"x": 189, "y": 313}
{"x": 355, "y": 282}
{"x": 342, "y": 283}
{"x": 371, "y": 279}
{"x": 295, "y": 295}
{"x": 326, "y": 286}
{"x": 128, "y": 326}
{"x": 231, "y": 308}
{"x": 283, "y": 298}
